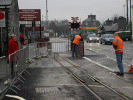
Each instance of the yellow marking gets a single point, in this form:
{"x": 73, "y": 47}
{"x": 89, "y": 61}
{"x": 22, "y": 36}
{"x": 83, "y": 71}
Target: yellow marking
{"x": 98, "y": 86}
{"x": 71, "y": 84}
{"x": 81, "y": 75}
{"x": 33, "y": 49}
{"x": 103, "y": 77}
{"x": 122, "y": 87}
{"x": 91, "y": 28}
{"x": 98, "y": 77}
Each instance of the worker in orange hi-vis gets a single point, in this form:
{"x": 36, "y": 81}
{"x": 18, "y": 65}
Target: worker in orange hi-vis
{"x": 75, "y": 44}
{"x": 118, "y": 46}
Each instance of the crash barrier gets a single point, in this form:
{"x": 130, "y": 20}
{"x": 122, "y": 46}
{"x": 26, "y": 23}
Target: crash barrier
{"x": 40, "y": 49}
{"x": 80, "y": 48}
{"x": 17, "y": 64}
{"x": 3, "y": 67}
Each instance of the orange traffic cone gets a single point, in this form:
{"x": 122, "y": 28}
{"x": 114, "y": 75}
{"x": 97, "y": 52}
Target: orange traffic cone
{"x": 131, "y": 69}
{"x": 24, "y": 42}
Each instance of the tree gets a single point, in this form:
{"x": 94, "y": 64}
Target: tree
{"x": 115, "y": 20}
{"x": 52, "y": 26}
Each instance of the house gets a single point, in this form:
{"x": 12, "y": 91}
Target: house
{"x": 90, "y": 24}
{"x": 108, "y": 27}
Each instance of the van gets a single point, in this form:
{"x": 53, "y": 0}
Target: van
{"x": 124, "y": 35}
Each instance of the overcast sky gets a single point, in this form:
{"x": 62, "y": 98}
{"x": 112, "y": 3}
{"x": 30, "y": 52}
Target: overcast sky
{"x": 65, "y": 9}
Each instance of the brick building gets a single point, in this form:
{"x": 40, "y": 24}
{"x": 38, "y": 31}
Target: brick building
{"x": 90, "y": 24}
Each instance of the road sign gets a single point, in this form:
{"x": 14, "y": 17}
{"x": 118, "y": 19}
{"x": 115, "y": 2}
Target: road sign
{"x": 33, "y": 24}
{"x": 29, "y": 14}
{"x": 2, "y": 19}
{"x": 34, "y": 32}
{"x": 75, "y": 18}
{"x": 75, "y": 25}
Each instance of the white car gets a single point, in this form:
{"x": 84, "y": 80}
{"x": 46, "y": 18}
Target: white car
{"x": 92, "y": 38}
{"x": 62, "y": 36}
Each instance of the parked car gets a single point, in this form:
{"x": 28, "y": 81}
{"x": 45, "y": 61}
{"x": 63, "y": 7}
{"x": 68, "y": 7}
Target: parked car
{"x": 124, "y": 35}
{"x": 92, "y": 38}
{"x": 62, "y": 36}
{"x": 106, "y": 38}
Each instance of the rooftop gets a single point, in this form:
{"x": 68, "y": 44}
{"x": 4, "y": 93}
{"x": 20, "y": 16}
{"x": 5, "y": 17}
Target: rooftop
{"x": 5, "y": 2}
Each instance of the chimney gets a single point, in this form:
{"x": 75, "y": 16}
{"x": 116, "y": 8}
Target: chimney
{"x": 92, "y": 17}
{"x": 122, "y": 23}
{"x": 109, "y": 22}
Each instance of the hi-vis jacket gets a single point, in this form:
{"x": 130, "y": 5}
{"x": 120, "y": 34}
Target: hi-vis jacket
{"x": 77, "y": 39}
{"x": 118, "y": 45}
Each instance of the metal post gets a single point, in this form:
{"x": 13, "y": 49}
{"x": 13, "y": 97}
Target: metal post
{"x": 68, "y": 41}
{"x": 124, "y": 10}
{"x": 1, "y": 41}
{"x": 6, "y": 28}
{"x": 130, "y": 22}
{"x": 127, "y": 14}
{"x": 40, "y": 29}
{"x": 40, "y": 26}
{"x": 46, "y": 15}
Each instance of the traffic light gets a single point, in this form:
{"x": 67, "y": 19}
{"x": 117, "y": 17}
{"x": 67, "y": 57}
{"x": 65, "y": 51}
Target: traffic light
{"x": 22, "y": 26}
{"x": 33, "y": 23}
{"x": 74, "y": 25}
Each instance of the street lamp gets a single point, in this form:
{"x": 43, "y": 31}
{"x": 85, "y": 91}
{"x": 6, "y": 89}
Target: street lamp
{"x": 130, "y": 22}
{"x": 124, "y": 9}
{"x": 46, "y": 15}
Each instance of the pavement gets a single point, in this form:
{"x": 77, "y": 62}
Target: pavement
{"x": 49, "y": 81}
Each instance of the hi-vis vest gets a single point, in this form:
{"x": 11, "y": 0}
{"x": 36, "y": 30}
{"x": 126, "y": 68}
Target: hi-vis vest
{"x": 77, "y": 39}
{"x": 118, "y": 45}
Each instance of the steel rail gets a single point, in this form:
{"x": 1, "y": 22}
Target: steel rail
{"x": 79, "y": 80}
{"x": 93, "y": 78}
{"x": 124, "y": 62}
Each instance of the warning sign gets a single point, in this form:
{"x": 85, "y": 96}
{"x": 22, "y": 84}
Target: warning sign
{"x": 2, "y": 19}
{"x": 29, "y": 15}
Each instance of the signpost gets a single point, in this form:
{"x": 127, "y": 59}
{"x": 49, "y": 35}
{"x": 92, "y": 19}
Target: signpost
{"x": 2, "y": 24}
{"x": 30, "y": 15}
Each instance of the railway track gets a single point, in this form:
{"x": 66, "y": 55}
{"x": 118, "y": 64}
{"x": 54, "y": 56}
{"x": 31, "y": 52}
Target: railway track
{"x": 94, "y": 80}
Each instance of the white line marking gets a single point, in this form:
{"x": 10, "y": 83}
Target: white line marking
{"x": 16, "y": 97}
{"x": 99, "y": 64}
{"x": 112, "y": 58}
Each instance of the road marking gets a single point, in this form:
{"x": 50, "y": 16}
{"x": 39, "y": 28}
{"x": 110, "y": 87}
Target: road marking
{"x": 98, "y": 77}
{"x": 103, "y": 77}
{"x": 71, "y": 84}
{"x": 99, "y": 64}
{"x": 126, "y": 62}
{"x": 101, "y": 86}
{"x": 16, "y": 97}
{"x": 122, "y": 87}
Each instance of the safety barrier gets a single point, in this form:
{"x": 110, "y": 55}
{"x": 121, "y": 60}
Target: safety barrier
{"x": 17, "y": 65}
{"x": 3, "y": 67}
{"x": 43, "y": 49}
{"x": 18, "y": 60}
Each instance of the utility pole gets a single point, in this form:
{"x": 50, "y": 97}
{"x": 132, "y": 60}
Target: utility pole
{"x": 127, "y": 13}
{"x": 46, "y": 16}
{"x": 130, "y": 21}
{"x": 124, "y": 9}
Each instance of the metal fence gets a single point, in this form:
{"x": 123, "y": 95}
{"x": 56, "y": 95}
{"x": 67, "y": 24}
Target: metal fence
{"x": 18, "y": 60}
{"x": 14, "y": 68}
{"x": 3, "y": 67}
{"x": 52, "y": 48}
